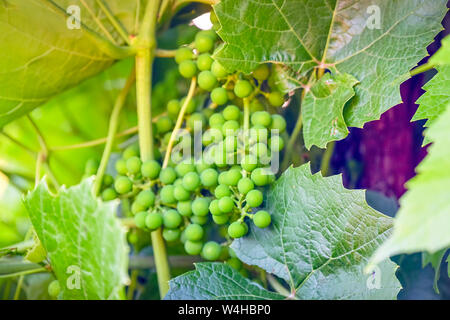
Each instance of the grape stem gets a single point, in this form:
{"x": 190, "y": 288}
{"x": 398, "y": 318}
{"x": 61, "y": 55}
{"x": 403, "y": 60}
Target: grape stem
{"x": 112, "y": 130}
{"x": 146, "y": 45}
{"x": 423, "y": 68}
{"x": 277, "y": 286}
{"x": 179, "y": 121}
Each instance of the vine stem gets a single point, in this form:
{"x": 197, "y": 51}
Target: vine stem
{"x": 19, "y": 287}
{"x": 325, "y": 163}
{"x": 179, "y": 121}
{"x": 278, "y": 287}
{"x": 112, "y": 130}
{"x": 291, "y": 142}
{"x": 146, "y": 45}
{"x": 423, "y": 68}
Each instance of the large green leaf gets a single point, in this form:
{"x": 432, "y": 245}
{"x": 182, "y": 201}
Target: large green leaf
{"x": 216, "y": 281}
{"x": 40, "y": 56}
{"x": 304, "y": 34}
{"x": 84, "y": 240}
{"x": 434, "y": 102}
{"x": 423, "y": 221}
{"x": 323, "y": 109}
{"x": 320, "y": 240}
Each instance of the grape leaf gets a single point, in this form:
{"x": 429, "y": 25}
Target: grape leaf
{"x": 320, "y": 240}
{"x": 423, "y": 220}
{"x": 216, "y": 281}
{"x": 323, "y": 107}
{"x": 40, "y": 56}
{"x": 435, "y": 259}
{"x": 84, "y": 241}
{"x": 436, "y": 98}
{"x": 341, "y": 35}
{"x": 442, "y": 56}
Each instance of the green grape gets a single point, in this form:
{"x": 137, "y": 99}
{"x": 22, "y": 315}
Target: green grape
{"x": 220, "y": 219}
{"x": 196, "y": 118}
{"x": 191, "y": 181}
{"x": 183, "y": 168}
{"x": 260, "y": 177}
{"x": 54, "y": 289}
{"x": 231, "y": 112}
{"x": 191, "y": 107}
{"x": 185, "y": 208}
{"x": 245, "y": 185}
{"x": 222, "y": 191}
{"x": 219, "y": 96}
{"x": 208, "y": 112}
{"x": 136, "y": 208}
{"x": 146, "y": 198}
{"x": 108, "y": 180}
{"x": 134, "y": 165}
{"x": 194, "y": 232}
{"x": 202, "y": 166}
{"x": 262, "y": 72}
{"x": 210, "y": 33}
{"x": 203, "y": 42}
{"x": 231, "y": 253}
{"x": 182, "y": 54}
{"x": 233, "y": 177}
{"x": 209, "y": 177}
{"x": 151, "y": 169}
{"x": 172, "y": 219}
{"x": 230, "y": 144}
{"x": 164, "y": 124}
{"x": 139, "y": 219}
{"x": 133, "y": 237}
{"x": 243, "y": 88}
{"x": 201, "y": 220}
{"x": 278, "y": 123}
{"x": 249, "y": 163}
{"x": 259, "y": 150}
{"x": 200, "y": 207}
{"x": 216, "y": 120}
{"x": 226, "y": 204}
{"x": 235, "y": 263}
{"x": 109, "y": 194}
{"x": 211, "y": 250}
{"x": 262, "y": 219}
{"x": 230, "y": 127}
{"x": 171, "y": 235}
{"x": 193, "y": 247}
{"x": 121, "y": 166}
{"x": 187, "y": 69}
{"x": 131, "y": 151}
{"x": 166, "y": 194}
{"x": 276, "y": 99}
{"x": 181, "y": 194}
{"x": 153, "y": 220}
{"x": 222, "y": 179}
{"x": 237, "y": 230}
{"x": 91, "y": 167}
{"x": 204, "y": 62}
{"x": 262, "y": 118}
{"x": 214, "y": 208}
{"x": 206, "y": 80}
{"x": 256, "y": 105}
{"x": 167, "y": 175}
{"x": 259, "y": 133}
{"x": 173, "y": 107}
{"x": 254, "y": 198}
{"x": 276, "y": 143}
{"x": 123, "y": 185}
{"x": 218, "y": 70}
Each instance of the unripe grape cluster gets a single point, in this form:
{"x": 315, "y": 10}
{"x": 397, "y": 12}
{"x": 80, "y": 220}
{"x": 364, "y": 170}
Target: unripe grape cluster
{"x": 224, "y": 186}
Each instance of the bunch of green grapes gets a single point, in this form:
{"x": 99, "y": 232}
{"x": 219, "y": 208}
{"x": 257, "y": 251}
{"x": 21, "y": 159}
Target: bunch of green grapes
{"x": 222, "y": 187}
